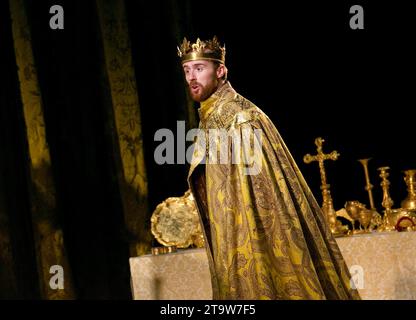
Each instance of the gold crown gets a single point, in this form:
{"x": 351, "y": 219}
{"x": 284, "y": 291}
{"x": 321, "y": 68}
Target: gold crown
{"x": 201, "y": 50}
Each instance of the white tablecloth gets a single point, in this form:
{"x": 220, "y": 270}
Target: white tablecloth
{"x": 382, "y": 265}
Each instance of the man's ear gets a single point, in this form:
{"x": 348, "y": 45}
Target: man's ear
{"x": 220, "y": 71}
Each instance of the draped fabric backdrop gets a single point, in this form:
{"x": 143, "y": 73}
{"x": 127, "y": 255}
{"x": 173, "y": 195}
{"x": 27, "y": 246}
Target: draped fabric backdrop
{"x": 74, "y": 181}
{"x": 79, "y": 108}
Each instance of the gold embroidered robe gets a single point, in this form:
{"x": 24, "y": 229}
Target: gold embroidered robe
{"x": 265, "y": 234}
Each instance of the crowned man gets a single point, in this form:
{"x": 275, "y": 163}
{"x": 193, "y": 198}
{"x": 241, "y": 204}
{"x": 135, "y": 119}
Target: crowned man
{"x": 265, "y": 234}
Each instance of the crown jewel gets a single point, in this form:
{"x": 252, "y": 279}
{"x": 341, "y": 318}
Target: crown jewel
{"x": 201, "y": 50}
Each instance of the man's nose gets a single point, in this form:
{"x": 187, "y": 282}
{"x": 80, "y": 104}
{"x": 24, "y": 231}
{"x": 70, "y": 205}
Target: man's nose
{"x": 191, "y": 76}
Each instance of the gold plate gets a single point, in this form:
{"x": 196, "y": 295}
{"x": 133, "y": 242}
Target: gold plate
{"x": 175, "y": 222}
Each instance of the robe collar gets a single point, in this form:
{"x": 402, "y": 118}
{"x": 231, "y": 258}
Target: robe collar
{"x": 209, "y": 105}
{"x": 206, "y": 109}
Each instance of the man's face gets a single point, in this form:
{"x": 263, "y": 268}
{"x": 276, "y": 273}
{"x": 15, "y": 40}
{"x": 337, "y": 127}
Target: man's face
{"x": 202, "y": 77}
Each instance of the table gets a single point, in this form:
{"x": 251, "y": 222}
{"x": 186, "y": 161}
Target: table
{"x": 382, "y": 266}
{"x": 182, "y": 275}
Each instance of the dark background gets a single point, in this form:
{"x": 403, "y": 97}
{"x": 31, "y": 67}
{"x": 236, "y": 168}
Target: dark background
{"x": 299, "y": 62}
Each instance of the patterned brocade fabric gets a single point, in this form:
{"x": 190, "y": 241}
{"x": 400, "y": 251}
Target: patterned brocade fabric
{"x": 267, "y": 235}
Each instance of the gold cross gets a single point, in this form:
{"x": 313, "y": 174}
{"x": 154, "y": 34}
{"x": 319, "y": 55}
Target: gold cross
{"x": 321, "y": 157}
{"x": 327, "y": 206}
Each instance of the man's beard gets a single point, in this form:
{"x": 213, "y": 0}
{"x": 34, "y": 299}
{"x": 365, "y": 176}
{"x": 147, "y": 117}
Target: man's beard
{"x": 203, "y": 92}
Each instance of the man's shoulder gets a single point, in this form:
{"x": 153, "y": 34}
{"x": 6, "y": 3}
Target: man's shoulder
{"x": 235, "y": 111}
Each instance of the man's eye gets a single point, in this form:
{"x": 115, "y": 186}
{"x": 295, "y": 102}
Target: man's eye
{"x": 199, "y": 69}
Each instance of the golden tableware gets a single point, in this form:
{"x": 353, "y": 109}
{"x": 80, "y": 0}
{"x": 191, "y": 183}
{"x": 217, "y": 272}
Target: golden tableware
{"x": 175, "y": 222}
{"x": 368, "y": 219}
{"x": 365, "y": 217}
{"x": 387, "y": 203}
{"x": 353, "y": 209}
{"x": 327, "y": 207}
{"x": 163, "y": 250}
{"x": 410, "y": 201}
{"x": 368, "y": 185}
{"x": 401, "y": 219}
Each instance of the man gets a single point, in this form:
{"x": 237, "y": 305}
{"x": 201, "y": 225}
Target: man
{"x": 265, "y": 234}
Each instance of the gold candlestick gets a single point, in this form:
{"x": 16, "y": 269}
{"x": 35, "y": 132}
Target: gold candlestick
{"x": 410, "y": 201}
{"x": 368, "y": 185}
{"x": 327, "y": 206}
{"x": 387, "y": 202}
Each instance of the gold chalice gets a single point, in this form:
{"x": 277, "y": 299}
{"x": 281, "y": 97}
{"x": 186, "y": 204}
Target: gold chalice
{"x": 365, "y": 217}
{"x": 353, "y": 209}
